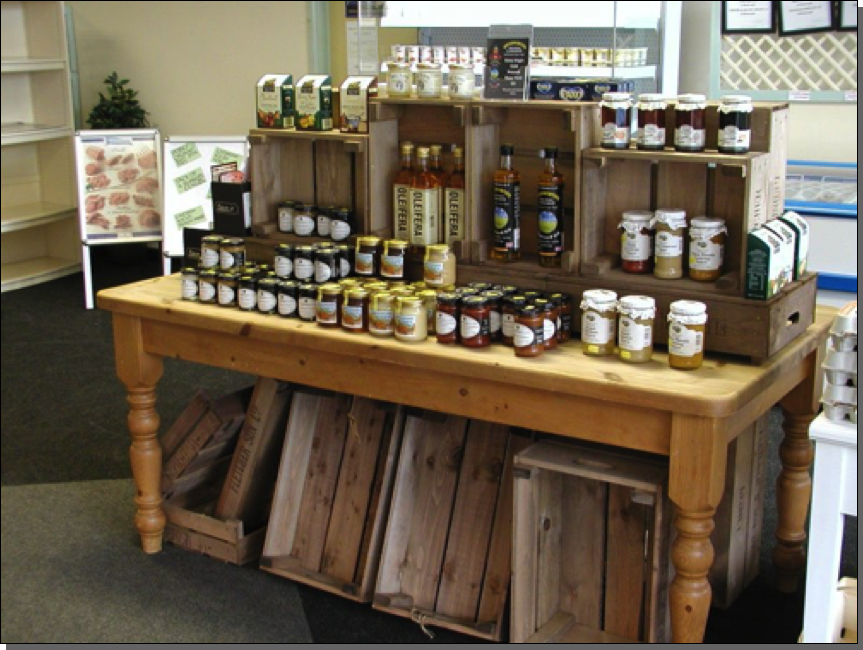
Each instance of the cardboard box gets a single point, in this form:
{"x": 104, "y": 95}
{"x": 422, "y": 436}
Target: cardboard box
{"x": 232, "y": 208}
{"x": 314, "y": 103}
{"x": 763, "y": 264}
{"x": 788, "y": 237}
{"x": 575, "y": 90}
{"x": 275, "y": 100}
{"x": 802, "y": 229}
{"x": 354, "y": 103}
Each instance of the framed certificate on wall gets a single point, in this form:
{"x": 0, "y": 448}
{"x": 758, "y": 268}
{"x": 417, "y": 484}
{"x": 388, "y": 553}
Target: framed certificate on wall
{"x": 748, "y": 17}
{"x": 846, "y": 16}
{"x": 805, "y": 18}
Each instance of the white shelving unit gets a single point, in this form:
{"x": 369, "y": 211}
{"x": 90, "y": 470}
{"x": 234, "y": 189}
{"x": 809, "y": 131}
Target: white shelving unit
{"x": 38, "y": 220}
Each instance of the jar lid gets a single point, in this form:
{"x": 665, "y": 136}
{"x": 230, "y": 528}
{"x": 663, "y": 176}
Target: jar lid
{"x": 287, "y": 203}
{"x": 692, "y": 98}
{"x": 480, "y": 286}
{"x": 438, "y": 249}
{"x": 357, "y": 293}
{"x": 344, "y": 248}
{"x": 395, "y": 243}
{"x": 514, "y": 301}
{"x": 330, "y": 289}
{"x": 427, "y": 294}
{"x": 422, "y": 152}
{"x": 288, "y": 285}
{"x": 309, "y": 288}
{"x": 308, "y": 250}
{"x": 466, "y": 291}
{"x": 212, "y": 239}
{"x": 344, "y": 211}
{"x": 506, "y": 288}
{"x": 209, "y": 273}
{"x": 460, "y": 66}
{"x": 458, "y": 152}
{"x": 248, "y": 280}
{"x": 599, "y": 299}
{"x": 474, "y": 301}
{"x": 447, "y": 298}
{"x": 326, "y": 252}
{"x": 673, "y": 217}
{"x": 189, "y": 270}
{"x": 284, "y": 248}
{"x": 689, "y": 308}
{"x": 398, "y": 65}
{"x": 428, "y": 65}
{"x": 544, "y": 304}
{"x": 638, "y": 307}
{"x": 528, "y": 310}
{"x": 411, "y": 301}
{"x": 435, "y": 149}
{"x": 418, "y": 285}
{"x": 638, "y": 215}
{"x": 736, "y": 99}
{"x": 651, "y": 98}
{"x": 233, "y": 241}
{"x": 368, "y": 241}
{"x": 228, "y": 275}
{"x": 616, "y": 97}
{"x": 268, "y": 282}
{"x": 492, "y": 295}
{"x": 707, "y": 222}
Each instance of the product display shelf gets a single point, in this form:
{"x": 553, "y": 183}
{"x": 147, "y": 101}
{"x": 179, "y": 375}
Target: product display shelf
{"x": 26, "y": 64}
{"x": 28, "y": 215}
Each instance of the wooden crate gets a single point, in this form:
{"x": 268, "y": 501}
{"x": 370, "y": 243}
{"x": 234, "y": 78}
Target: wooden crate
{"x": 333, "y": 492}
{"x": 591, "y": 547}
{"x": 447, "y": 551}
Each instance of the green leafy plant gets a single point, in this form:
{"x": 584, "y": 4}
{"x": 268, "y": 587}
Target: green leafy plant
{"x": 120, "y": 109}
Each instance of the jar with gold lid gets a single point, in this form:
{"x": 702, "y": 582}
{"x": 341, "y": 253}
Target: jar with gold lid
{"x": 439, "y": 267}
{"x": 305, "y": 216}
{"x": 447, "y": 318}
{"x": 399, "y": 79}
{"x": 598, "y": 322}
{"x": 189, "y": 284}
{"x": 329, "y": 306}
{"x": 247, "y": 300}
{"x": 285, "y": 216}
{"x": 288, "y": 298}
{"x": 229, "y": 284}
{"x": 210, "y": 246}
{"x": 355, "y": 311}
{"x": 669, "y": 226}
{"x": 475, "y": 323}
{"x": 381, "y": 316}
{"x": 429, "y": 80}
{"x": 635, "y": 329}
{"x": 393, "y": 259}
{"x": 307, "y": 303}
{"x": 207, "y": 286}
{"x": 304, "y": 263}
{"x": 232, "y": 253}
{"x": 268, "y": 295}
{"x": 367, "y": 258}
{"x": 550, "y": 315}
{"x": 509, "y": 313}
{"x": 687, "y": 327}
{"x": 284, "y": 261}
{"x": 411, "y": 322}
{"x": 528, "y": 337}
{"x": 429, "y": 298}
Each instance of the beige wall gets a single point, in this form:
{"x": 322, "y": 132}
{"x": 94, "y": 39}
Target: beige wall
{"x": 195, "y": 64}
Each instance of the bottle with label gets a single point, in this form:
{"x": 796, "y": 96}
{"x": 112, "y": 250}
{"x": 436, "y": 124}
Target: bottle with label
{"x": 635, "y": 330}
{"x": 550, "y": 219}
{"x": 507, "y": 209}
{"x": 687, "y": 325}
{"x": 424, "y": 199}
{"x": 401, "y": 191}
{"x": 454, "y": 200}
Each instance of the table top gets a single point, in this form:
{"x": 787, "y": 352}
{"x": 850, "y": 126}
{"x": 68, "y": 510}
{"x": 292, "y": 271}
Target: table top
{"x": 720, "y": 388}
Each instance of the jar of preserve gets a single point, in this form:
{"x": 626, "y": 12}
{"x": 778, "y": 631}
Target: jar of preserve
{"x": 707, "y": 239}
{"x": 264, "y": 270}
{"x": 399, "y": 79}
{"x": 210, "y": 246}
{"x": 355, "y": 311}
{"x": 480, "y": 286}
{"x": 475, "y": 322}
{"x": 341, "y": 224}
{"x": 248, "y": 295}
{"x": 636, "y": 241}
{"x": 346, "y": 260}
{"x": 650, "y": 117}
{"x": 403, "y": 292}
{"x": 689, "y": 115}
{"x": 735, "y": 124}
{"x": 495, "y": 301}
{"x": 378, "y": 287}
{"x": 249, "y": 268}
{"x": 307, "y": 304}
{"x": 687, "y": 326}
{"x": 288, "y": 299}
{"x": 616, "y": 116}
{"x": 550, "y": 315}
{"x": 506, "y": 289}
{"x": 229, "y": 284}
{"x": 532, "y": 296}
{"x": 284, "y": 261}
{"x": 381, "y": 316}
{"x": 325, "y": 265}
{"x": 285, "y": 216}
{"x": 418, "y": 286}
{"x": 393, "y": 259}
{"x": 447, "y": 318}
{"x": 598, "y": 322}
{"x": 189, "y": 283}
{"x": 324, "y": 220}
{"x": 329, "y": 305}
{"x": 509, "y": 313}
{"x": 670, "y": 229}
{"x": 429, "y": 80}
{"x": 304, "y": 263}
{"x": 232, "y": 253}
{"x": 462, "y": 81}
{"x": 367, "y": 259}
{"x": 268, "y": 295}
{"x": 304, "y": 219}
{"x": 564, "y": 329}
{"x": 439, "y": 267}
{"x": 635, "y": 329}
{"x": 429, "y": 298}
{"x": 410, "y": 320}
{"x": 207, "y": 286}
{"x": 528, "y": 338}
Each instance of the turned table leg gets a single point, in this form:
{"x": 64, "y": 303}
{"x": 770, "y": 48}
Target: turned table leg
{"x": 140, "y": 372}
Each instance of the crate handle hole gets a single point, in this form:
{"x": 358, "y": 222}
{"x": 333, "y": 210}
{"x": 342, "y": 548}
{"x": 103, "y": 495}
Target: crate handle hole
{"x": 793, "y": 319}
{"x": 593, "y": 464}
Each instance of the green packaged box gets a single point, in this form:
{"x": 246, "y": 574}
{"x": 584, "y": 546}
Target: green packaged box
{"x": 275, "y": 100}
{"x": 801, "y": 227}
{"x": 314, "y": 96}
{"x": 763, "y": 265}
{"x": 788, "y": 238}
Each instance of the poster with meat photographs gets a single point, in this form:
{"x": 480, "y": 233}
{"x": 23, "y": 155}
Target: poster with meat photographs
{"x": 119, "y": 186}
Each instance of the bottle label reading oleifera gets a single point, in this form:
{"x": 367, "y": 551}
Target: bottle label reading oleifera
{"x": 401, "y": 207}
{"x": 424, "y": 216}
{"x": 507, "y": 216}
{"x": 454, "y": 217}
{"x": 550, "y": 219}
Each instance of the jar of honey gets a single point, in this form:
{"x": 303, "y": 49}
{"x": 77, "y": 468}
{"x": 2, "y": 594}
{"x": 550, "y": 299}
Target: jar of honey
{"x": 393, "y": 259}
{"x": 328, "y": 309}
{"x": 616, "y": 116}
{"x": 635, "y": 330}
{"x": 439, "y": 267}
{"x": 381, "y": 317}
{"x": 355, "y": 311}
{"x": 670, "y": 228}
{"x": 475, "y": 322}
{"x": 399, "y": 79}
{"x": 598, "y": 322}
{"x": 429, "y": 298}
{"x": 447, "y": 318}
{"x": 636, "y": 241}
{"x": 687, "y": 326}
{"x": 528, "y": 339}
{"x": 429, "y": 78}
{"x": 367, "y": 259}
{"x": 707, "y": 239}
{"x": 410, "y": 320}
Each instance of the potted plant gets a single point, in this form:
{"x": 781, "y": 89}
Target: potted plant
{"x": 120, "y": 109}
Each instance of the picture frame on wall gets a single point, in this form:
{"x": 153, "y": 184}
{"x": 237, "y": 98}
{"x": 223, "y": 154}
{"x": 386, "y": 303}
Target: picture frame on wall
{"x": 846, "y": 16}
{"x": 748, "y": 18}
{"x": 805, "y": 18}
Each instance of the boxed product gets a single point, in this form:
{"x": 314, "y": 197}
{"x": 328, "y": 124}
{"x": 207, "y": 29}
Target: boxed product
{"x": 801, "y": 228}
{"x": 354, "y": 103}
{"x": 575, "y": 90}
{"x": 764, "y": 260}
{"x": 788, "y": 238}
{"x": 314, "y": 103}
{"x": 275, "y": 100}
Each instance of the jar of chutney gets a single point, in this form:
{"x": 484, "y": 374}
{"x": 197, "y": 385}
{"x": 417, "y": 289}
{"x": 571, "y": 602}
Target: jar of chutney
{"x": 268, "y": 295}
{"x": 528, "y": 339}
{"x": 636, "y": 241}
{"x": 285, "y": 217}
{"x": 475, "y": 322}
{"x": 735, "y": 124}
{"x": 329, "y": 306}
{"x": 690, "y": 128}
{"x": 635, "y": 329}
{"x": 598, "y": 322}
{"x": 229, "y": 283}
{"x": 687, "y": 327}
{"x": 393, "y": 259}
{"x": 247, "y": 299}
{"x": 447, "y": 318}
{"x": 616, "y": 116}
{"x": 325, "y": 265}
{"x": 324, "y": 220}
{"x": 341, "y": 224}
{"x": 189, "y": 284}
{"x": 346, "y": 260}
{"x": 650, "y": 117}
{"x": 210, "y": 246}
{"x": 288, "y": 299}
{"x": 284, "y": 261}
{"x": 304, "y": 263}
{"x": 670, "y": 228}
{"x": 550, "y": 316}
{"x": 304, "y": 219}
{"x": 511, "y": 305}
{"x": 307, "y": 303}
{"x": 355, "y": 311}
{"x": 381, "y": 316}
{"x": 207, "y": 286}
{"x": 410, "y": 320}
{"x": 232, "y": 253}
{"x": 495, "y": 301}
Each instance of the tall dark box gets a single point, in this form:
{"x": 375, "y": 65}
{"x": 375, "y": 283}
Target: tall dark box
{"x": 232, "y": 208}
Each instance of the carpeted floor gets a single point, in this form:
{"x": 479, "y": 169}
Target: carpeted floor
{"x": 72, "y": 569}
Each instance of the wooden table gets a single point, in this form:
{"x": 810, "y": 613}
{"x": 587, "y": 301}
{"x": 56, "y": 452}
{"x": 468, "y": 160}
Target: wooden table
{"x": 690, "y": 417}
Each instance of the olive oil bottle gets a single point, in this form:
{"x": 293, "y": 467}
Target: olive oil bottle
{"x": 507, "y": 209}
{"x": 454, "y": 200}
{"x": 401, "y": 193}
{"x": 424, "y": 202}
{"x": 436, "y": 168}
{"x": 550, "y": 222}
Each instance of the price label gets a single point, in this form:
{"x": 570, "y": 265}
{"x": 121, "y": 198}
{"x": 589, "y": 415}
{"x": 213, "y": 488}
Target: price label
{"x": 799, "y": 96}
{"x": 851, "y": 96}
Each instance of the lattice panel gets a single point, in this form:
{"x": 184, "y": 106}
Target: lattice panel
{"x": 817, "y": 62}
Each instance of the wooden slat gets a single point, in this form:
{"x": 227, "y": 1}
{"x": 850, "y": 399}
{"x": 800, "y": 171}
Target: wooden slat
{"x": 184, "y": 424}
{"x": 682, "y": 186}
{"x": 228, "y": 531}
{"x": 549, "y": 495}
{"x": 757, "y": 494}
{"x": 333, "y": 167}
{"x": 213, "y": 473}
{"x": 525, "y": 569}
{"x": 628, "y": 189}
{"x": 186, "y": 451}
{"x": 479, "y": 487}
{"x": 567, "y": 631}
{"x": 215, "y": 450}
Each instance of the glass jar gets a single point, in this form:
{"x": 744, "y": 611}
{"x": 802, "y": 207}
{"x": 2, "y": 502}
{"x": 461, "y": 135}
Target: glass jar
{"x": 346, "y": 260}
{"x": 325, "y": 266}
{"x": 495, "y": 301}
{"x": 616, "y": 115}
{"x": 511, "y": 305}
{"x": 636, "y": 241}
{"x": 439, "y": 267}
{"x": 232, "y": 253}
{"x": 248, "y": 297}
{"x": 284, "y": 261}
{"x": 635, "y": 329}
{"x": 689, "y": 129}
{"x": 341, "y": 224}
{"x": 210, "y": 246}
{"x": 381, "y": 317}
{"x": 475, "y": 322}
{"x": 707, "y": 239}
{"x": 670, "y": 230}
{"x": 506, "y": 289}
{"x": 550, "y": 315}
{"x": 229, "y": 283}
{"x": 285, "y": 217}
{"x": 367, "y": 259}
{"x": 400, "y": 79}
{"x": 393, "y": 259}
{"x": 598, "y": 322}
{"x": 307, "y": 304}
{"x": 462, "y": 81}
{"x": 687, "y": 326}
{"x": 429, "y": 298}
{"x": 447, "y": 318}
{"x": 268, "y": 295}
{"x": 735, "y": 124}
{"x": 288, "y": 299}
{"x": 532, "y": 296}
{"x": 529, "y": 331}
{"x": 410, "y": 320}
{"x": 480, "y": 286}
{"x": 324, "y": 220}
{"x": 207, "y": 286}
{"x": 189, "y": 284}
{"x": 304, "y": 219}
{"x": 328, "y": 309}
{"x": 650, "y": 117}
{"x": 429, "y": 80}
{"x": 355, "y": 311}
{"x": 304, "y": 263}
{"x": 564, "y": 329}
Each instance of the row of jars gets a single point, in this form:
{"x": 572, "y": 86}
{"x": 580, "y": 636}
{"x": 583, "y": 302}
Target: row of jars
{"x": 308, "y": 220}
{"x": 427, "y": 81}
{"x": 734, "y": 135}
{"x": 656, "y": 242}
{"x": 625, "y": 327}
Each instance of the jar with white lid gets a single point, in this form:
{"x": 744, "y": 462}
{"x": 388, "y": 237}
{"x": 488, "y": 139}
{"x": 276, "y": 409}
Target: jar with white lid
{"x": 707, "y": 239}
{"x": 669, "y": 226}
{"x": 462, "y": 81}
{"x": 429, "y": 79}
{"x": 650, "y": 118}
{"x": 598, "y": 322}
{"x": 690, "y": 131}
{"x": 616, "y": 116}
{"x": 735, "y": 124}
{"x": 399, "y": 79}
{"x": 687, "y": 327}
{"x": 636, "y": 241}
{"x": 635, "y": 328}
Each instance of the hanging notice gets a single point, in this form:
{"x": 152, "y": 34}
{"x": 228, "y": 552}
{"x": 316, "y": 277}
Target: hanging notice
{"x": 119, "y": 191}
{"x": 507, "y": 69}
